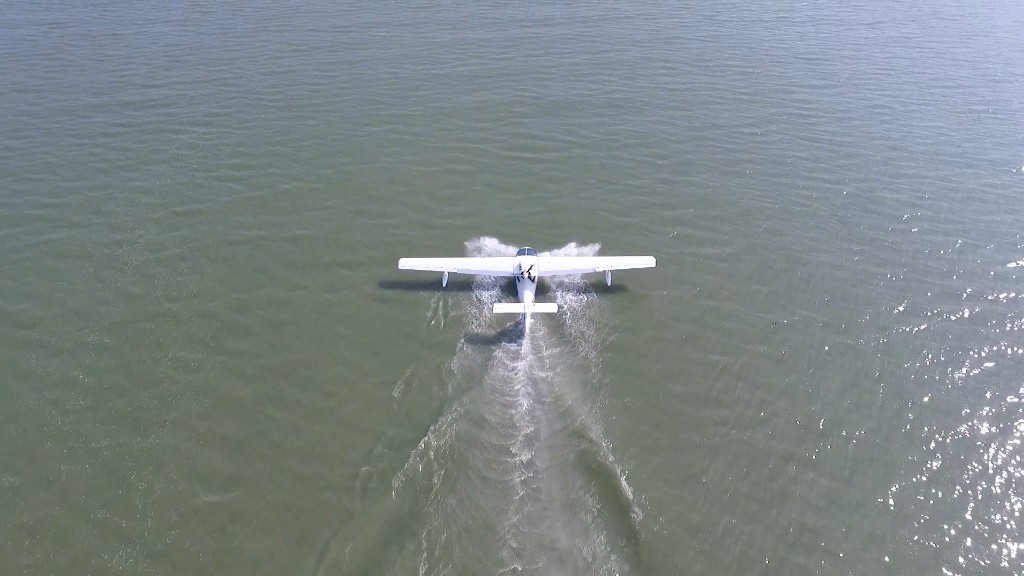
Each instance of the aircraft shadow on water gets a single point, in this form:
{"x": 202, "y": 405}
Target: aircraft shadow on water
{"x": 510, "y": 334}
{"x": 425, "y": 285}
{"x": 509, "y": 288}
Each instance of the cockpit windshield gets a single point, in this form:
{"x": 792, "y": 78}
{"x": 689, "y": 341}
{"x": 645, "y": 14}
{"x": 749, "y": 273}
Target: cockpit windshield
{"x": 526, "y": 252}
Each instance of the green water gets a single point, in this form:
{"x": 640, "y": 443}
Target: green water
{"x": 209, "y": 363}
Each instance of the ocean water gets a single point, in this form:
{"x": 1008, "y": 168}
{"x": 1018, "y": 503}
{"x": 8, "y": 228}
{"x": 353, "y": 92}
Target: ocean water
{"x": 211, "y": 364}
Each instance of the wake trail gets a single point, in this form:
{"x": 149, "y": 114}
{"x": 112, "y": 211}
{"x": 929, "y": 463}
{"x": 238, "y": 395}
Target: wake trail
{"x": 517, "y": 462}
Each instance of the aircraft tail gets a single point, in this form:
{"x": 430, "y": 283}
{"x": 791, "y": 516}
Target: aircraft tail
{"x": 520, "y": 308}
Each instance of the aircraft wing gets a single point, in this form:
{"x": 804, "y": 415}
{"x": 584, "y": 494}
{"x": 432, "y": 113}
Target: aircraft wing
{"x": 492, "y": 266}
{"x": 561, "y": 265}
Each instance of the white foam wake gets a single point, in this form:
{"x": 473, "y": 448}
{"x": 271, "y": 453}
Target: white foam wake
{"x": 518, "y": 451}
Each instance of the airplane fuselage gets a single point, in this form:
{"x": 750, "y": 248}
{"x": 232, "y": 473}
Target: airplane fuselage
{"x": 526, "y": 273}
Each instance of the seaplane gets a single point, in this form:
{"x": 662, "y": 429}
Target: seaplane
{"x": 527, "y": 267}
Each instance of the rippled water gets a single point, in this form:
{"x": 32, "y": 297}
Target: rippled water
{"x": 211, "y": 365}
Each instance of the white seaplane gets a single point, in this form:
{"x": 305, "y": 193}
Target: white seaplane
{"x": 527, "y": 266}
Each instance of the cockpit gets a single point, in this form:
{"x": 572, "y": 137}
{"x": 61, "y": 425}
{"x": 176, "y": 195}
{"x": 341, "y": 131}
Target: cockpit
{"x": 526, "y": 252}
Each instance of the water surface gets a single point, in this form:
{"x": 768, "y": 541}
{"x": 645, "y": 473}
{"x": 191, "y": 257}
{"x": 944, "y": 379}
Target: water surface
{"x": 211, "y": 364}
